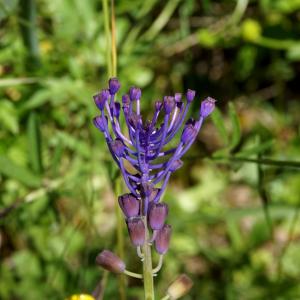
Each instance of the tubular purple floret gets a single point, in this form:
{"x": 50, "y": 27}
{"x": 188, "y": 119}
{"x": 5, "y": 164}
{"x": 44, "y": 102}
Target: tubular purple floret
{"x": 162, "y": 239}
{"x": 111, "y": 262}
{"x": 101, "y": 98}
{"x": 130, "y": 205}
{"x": 136, "y": 230}
{"x": 207, "y": 107}
{"x": 114, "y": 85}
{"x": 157, "y": 215}
{"x": 190, "y": 95}
{"x": 98, "y": 122}
{"x": 135, "y": 93}
{"x": 189, "y": 132}
{"x": 169, "y": 104}
{"x": 178, "y": 97}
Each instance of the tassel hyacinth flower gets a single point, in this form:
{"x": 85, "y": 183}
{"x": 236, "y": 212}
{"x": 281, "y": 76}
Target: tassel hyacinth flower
{"x": 144, "y": 146}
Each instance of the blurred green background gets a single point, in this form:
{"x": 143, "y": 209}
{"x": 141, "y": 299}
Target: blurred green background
{"x": 234, "y": 206}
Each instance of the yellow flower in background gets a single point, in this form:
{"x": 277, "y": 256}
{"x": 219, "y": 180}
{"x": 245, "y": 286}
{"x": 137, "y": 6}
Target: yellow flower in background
{"x": 46, "y": 46}
{"x": 81, "y": 297}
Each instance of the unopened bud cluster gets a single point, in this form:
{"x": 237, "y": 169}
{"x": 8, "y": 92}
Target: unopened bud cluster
{"x": 144, "y": 147}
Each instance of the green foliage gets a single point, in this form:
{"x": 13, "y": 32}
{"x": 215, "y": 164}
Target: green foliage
{"x": 57, "y": 178}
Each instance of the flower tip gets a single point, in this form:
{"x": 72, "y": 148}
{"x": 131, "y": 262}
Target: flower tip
{"x": 169, "y": 104}
{"x": 188, "y": 134}
{"x": 101, "y": 98}
{"x": 114, "y": 85}
{"x": 111, "y": 262}
{"x": 178, "y": 97}
{"x": 99, "y": 123}
{"x": 207, "y": 107}
{"x": 190, "y": 95}
{"x": 135, "y": 93}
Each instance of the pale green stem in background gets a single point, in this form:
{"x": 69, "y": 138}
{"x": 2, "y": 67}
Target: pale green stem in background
{"x": 239, "y": 11}
{"x": 108, "y": 36}
{"x": 147, "y": 266}
{"x": 167, "y": 297}
{"x": 111, "y": 57}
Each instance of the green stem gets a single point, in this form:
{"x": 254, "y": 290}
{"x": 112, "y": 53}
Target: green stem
{"x": 108, "y": 37}
{"x": 147, "y": 267}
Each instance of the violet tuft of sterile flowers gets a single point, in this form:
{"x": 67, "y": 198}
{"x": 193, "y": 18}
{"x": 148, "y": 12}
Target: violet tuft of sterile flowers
{"x": 145, "y": 154}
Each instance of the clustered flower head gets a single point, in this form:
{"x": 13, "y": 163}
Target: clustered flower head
{"x": 144, "y": 147}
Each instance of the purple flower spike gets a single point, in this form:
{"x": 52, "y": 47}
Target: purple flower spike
{"x": 111, "y": 262}
{"x": 98, "y": 122}
{"x": 114, "y": 85}
{"x": 157, "y": 215}
{"x": 207, "y": 107}
{"x": 169, "y": 104}
{"x": 136, "y": 230}
{"x": 101, "y": 98}
{"x": 130, "y": 205}
{"x": 162, "y": 239}
{"x": 117, "y": 147}
{"x": 135, "y": 93}
{"x": 188, "y": 134}
{"x": 146, "y": 153}
{"x": 190, "y": 95}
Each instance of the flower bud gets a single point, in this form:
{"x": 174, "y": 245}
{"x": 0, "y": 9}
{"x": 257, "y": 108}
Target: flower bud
{"x": 157, "y": 215}
{"x": 114, "y": 85}
{"x": 101, "y": 98}
{"x": 188, "y": 134}
{"x": 158, "y": 105}
{"x": 111, "y": 262}
{"x": 135, "y": 93}
{"x": 180, "y": 287}
{"x": 176, "y": 165}
{"x": 190, "y": 95}
{"x": 136, "y": 230}
{"x": 98, "y": 122}
{"x": 117, "y": 147}
{"x": 130, "y": 205}
{"x": 162, "y": 239}
{"x": 207, "y": 107}
{"x": 178, "y": 97}
{"x": 169, "y": 104}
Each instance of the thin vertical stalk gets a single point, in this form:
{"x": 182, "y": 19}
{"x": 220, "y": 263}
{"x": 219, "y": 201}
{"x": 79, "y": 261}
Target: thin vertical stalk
{"x": 108, "y": 37}
{"x": 147, "y": 266}
{"x": 111, "y": 57}
{"x": 113, "y": 40}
